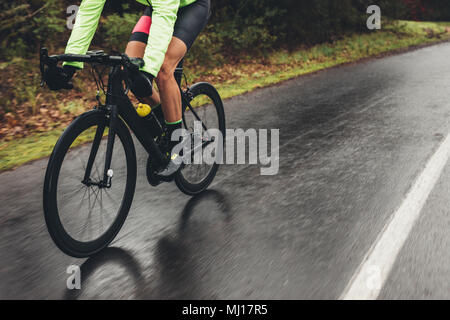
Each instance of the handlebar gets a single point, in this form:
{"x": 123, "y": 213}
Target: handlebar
{"x": 97, "y": 56}
{"x": 130, "y": 65}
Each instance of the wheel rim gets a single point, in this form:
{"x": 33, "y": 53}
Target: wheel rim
{"x": 87, "y": 212}
{"x": 205, "y": 109}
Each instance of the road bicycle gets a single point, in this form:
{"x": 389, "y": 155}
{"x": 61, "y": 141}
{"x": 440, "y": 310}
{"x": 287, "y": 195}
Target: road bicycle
{"x": 91, "y": 174}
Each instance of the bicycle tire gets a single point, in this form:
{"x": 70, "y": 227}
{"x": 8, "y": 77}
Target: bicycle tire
{"x": 188, "y": 188}
{"x": 60, "y": 236}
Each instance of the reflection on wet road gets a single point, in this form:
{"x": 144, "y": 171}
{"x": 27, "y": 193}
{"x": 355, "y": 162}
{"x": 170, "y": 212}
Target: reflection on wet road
{"x": 352, "y": 142}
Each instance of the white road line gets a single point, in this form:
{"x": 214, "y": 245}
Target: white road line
{"x": 370, "y": 277}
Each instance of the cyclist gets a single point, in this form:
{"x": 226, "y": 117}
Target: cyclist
{"x": 161, "y": 37}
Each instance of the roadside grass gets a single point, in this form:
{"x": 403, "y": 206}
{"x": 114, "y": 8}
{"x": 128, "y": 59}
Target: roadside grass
{"x": 252, "y": 73}
{"x": 17, "y": 152}
{"x": 284, "y": 64}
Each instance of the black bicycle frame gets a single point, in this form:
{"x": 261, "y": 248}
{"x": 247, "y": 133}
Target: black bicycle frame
{"x": 178, "y": 74}
{"x": 120, "y": 108}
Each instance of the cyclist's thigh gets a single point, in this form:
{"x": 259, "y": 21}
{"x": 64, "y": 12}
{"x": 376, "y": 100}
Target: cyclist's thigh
{"x": 191, "y": 20}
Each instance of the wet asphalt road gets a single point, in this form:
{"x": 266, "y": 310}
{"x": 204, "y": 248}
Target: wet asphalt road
{"x": 352, "y": 141}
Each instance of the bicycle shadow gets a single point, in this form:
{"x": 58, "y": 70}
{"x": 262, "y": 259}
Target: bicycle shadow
{"x": 179, "y": 253}
{"x": 189, "y": 209}
{"x": 174, "y": 262}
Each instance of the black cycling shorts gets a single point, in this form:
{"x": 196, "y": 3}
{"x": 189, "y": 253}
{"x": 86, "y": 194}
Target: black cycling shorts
{"x": 191, "y": 20}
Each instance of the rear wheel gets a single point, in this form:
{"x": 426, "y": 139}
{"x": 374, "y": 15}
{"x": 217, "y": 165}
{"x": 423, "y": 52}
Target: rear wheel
{"x": 207, "y": 110}
{"x": 83, "y": 216}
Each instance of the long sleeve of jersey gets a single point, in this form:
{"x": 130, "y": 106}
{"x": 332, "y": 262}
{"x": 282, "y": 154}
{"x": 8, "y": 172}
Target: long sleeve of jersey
{"x": 86, "y": 23}
{"x": 163, "y": 20}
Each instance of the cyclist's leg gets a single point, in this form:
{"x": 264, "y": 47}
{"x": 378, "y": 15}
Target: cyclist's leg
{"x": 170, "y": 94}
{"x": 167, "y": 85}
{"x": 136, "y": 48}
{"x": 190, "y": 22}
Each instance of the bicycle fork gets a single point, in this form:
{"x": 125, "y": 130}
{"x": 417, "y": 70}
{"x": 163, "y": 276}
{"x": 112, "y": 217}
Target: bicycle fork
{"x": 108, "y": 173}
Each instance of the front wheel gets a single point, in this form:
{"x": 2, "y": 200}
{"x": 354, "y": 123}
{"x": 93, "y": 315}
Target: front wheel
{"x": 205, "y": 111}
{"x": 82, "y": 215}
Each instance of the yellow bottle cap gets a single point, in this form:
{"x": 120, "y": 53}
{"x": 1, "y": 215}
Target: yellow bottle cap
{"x": 143, "y": 109}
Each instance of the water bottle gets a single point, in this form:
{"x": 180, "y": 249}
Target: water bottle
{"x": 145, "y": 112}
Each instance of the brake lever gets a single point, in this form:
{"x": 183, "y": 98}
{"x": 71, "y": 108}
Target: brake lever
{"x": 44, "y": 60}
{"x": 132, "y": 64}
{"x": 43, "y": 56}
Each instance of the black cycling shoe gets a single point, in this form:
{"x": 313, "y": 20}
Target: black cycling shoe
{"x": 168, "y": 172}
{"x": 175, "y": 162}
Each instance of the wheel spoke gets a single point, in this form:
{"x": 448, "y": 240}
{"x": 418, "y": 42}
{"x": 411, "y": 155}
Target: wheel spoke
{"x": 88, "y": 217}
{"x": 101, "y": 210}
{"x": 110, "y": 198}
{"x": 70, "y": 193}
{"x": 81, "y": 161}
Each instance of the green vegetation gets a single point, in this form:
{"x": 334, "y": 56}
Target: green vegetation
{"x": 251, "y": 73}
{"x": 285, "y": 64}
{"x": 16, "y": 152}
{"x": 237, "y": 29}
{"x": 246, "y": 45}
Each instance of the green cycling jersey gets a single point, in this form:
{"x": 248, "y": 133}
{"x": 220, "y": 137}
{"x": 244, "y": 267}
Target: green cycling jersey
{"x": 163, "y": 20}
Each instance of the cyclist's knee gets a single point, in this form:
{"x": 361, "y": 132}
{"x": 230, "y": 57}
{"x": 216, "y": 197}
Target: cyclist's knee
{"x": 165, "y": 74}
